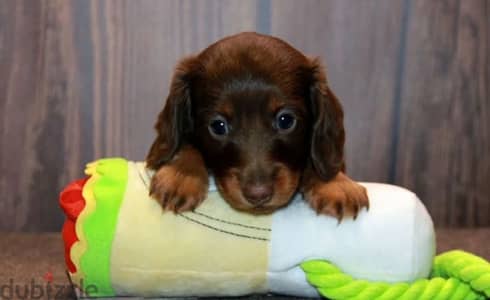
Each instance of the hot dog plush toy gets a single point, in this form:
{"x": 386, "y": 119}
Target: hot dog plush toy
{"x": 119, "y": 242}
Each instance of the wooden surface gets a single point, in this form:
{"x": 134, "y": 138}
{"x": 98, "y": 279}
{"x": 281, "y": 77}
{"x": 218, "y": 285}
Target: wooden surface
{"x": 444, "y": 132}
{"x": 38, "y": 258}
{"x": 359, "y": 45}
{"x": 81, "y": 80}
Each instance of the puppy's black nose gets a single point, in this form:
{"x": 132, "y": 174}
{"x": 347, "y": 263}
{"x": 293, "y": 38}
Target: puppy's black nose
{"x": 257, "y": 194}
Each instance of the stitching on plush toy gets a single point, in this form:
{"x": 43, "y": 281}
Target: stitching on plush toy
{"x": 231, "y": 223}
{"x": 143, "y": 178}
{"x": 221, "y": 230}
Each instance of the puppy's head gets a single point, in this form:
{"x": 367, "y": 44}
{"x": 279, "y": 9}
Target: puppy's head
{"x": 259, "y": 111}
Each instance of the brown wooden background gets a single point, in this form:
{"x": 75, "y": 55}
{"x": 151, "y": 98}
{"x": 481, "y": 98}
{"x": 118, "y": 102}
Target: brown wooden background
{"x": 81, "y": 80}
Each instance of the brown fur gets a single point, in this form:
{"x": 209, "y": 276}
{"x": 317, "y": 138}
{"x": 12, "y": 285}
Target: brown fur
{"x": 248, "y": 79}
{"x": 182, "y": 183}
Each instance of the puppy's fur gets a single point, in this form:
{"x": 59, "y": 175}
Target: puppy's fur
{"x": 246, "y": 81}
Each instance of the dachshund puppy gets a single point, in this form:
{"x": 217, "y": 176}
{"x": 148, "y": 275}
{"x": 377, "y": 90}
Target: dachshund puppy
{"x": 259, "y": 116}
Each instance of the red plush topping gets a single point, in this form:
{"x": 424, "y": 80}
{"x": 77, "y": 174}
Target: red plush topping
{"x": 71, "y": 199}
{"x": 72, "y": 203}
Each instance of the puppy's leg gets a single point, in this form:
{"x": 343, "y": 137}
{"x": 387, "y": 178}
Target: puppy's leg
{"x": 181, "y": 184}
{"x": 338, "y": 197}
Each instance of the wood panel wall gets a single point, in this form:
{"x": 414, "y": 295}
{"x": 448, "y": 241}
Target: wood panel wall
{"x": 81, "y": 80}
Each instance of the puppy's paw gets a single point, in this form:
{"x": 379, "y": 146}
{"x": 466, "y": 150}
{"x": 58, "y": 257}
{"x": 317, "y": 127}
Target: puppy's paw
{"x": 178, "y": 191}
{"x": 341, "y": 197}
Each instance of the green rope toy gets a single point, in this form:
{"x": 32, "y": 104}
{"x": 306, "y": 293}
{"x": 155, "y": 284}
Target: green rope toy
{"x": 455, "y": 275}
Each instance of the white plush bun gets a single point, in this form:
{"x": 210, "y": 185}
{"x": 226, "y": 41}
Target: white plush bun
{"x": 393, "y": 242}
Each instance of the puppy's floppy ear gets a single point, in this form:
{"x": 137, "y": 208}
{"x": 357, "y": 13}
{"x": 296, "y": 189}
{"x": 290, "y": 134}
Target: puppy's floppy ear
{"x": 328, "y": 135}
{"x": 175, "y": 121}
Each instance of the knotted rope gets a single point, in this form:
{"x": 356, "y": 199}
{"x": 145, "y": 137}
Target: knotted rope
{"x": 455, "y": 275}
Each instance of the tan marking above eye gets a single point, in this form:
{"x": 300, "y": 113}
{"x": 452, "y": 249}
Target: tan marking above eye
{"x": 225, "y": 109}
{"x": 275, "y": 105}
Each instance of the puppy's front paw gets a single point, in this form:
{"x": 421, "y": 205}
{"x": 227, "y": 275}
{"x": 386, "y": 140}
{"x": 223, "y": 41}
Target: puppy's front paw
{"x": 339, "y": 197}
{"x": 177, "y": 191}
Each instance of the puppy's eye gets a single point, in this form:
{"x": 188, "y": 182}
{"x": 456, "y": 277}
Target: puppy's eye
{"x": 218, "y": 126}
{"x": 285, "y": 121}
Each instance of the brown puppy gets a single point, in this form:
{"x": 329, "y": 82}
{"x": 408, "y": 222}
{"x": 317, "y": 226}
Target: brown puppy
{"x": 259, "y": 116}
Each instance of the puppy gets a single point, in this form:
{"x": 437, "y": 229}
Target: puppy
{"x": 259, "y": 116}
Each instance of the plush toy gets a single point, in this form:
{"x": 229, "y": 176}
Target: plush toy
{"x": 118, "y": 241}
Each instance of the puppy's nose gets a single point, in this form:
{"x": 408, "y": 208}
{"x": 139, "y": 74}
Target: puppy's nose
{"x": 257, "y": 194}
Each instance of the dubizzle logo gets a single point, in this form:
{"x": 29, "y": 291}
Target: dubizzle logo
{"x": 48, "y": 277}
{"x": 45, "y": 288}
